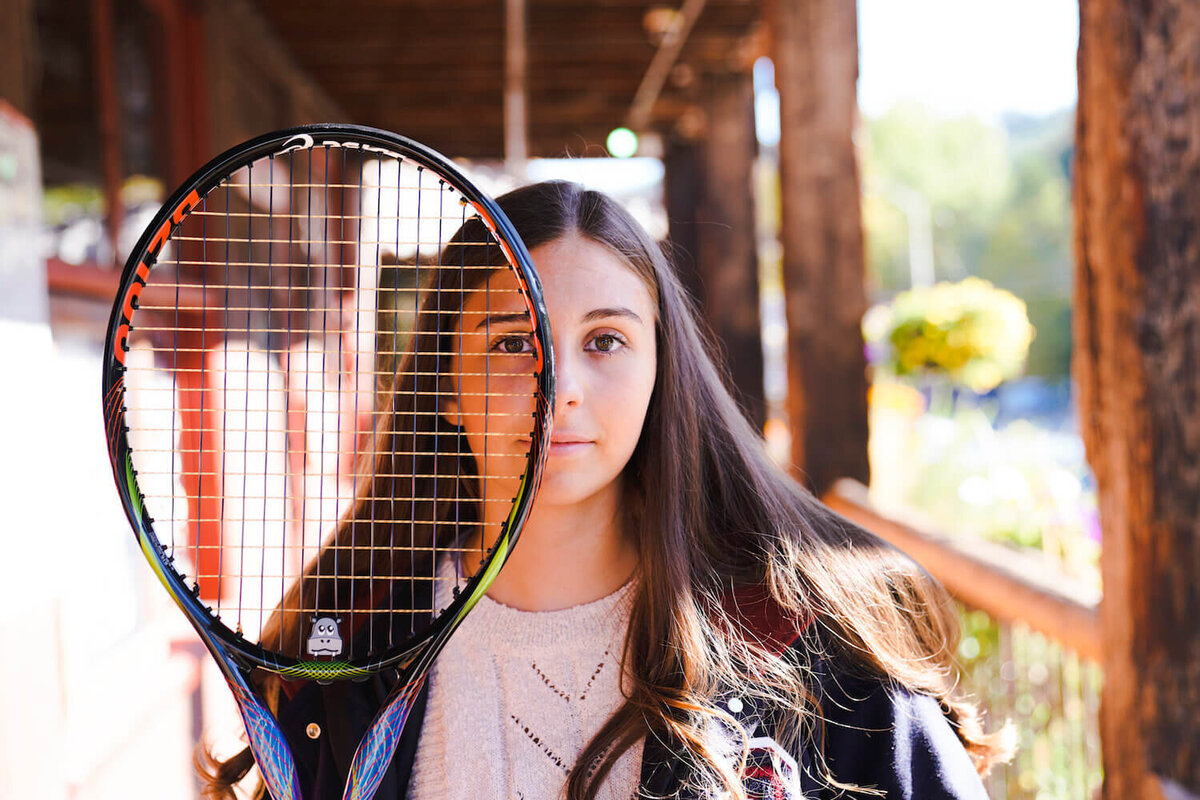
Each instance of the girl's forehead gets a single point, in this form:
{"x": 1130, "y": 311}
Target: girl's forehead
{"x": 580, "y": 273}
{"x": 500, "y": 292}
{"x": 577, "y": 274}
{"x": 502, "y": 282}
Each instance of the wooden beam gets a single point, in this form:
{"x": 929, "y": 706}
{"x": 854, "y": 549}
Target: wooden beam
{"x": 572, "y": 48}
{"x": 1137, "y": 365}
{"x": 92, "y": 282}
{"x": 622, "y": 51}
{"x": 815, "y": 50}
{"x": 516, "y": 88}
{"x": 566, "y": 24}
{"x": 660, "y": 66}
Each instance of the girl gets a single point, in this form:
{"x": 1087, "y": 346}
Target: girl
{"x": 681, "y": 618}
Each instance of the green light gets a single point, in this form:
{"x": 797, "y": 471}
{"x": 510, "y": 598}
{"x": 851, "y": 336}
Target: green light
{"x": 622, "y": 143}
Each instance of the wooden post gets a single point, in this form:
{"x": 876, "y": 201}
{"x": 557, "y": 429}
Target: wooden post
{"x": 683, "y": 186}
{"x": 1137, "y": 365}
{"x": 18, "y": 55}
{"x": 194, "y": 148}
{"x": 710, "y": 206}
{"x": 108, "y": 100}
{"x": 181, "y": 96}
{"x": 728, "y": 261}
{"x": 815, "y": 49}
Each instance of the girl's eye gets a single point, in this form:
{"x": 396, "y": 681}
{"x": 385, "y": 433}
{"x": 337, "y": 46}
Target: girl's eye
{"x": 512, "y": 345}
{"x": 607, "y": 343}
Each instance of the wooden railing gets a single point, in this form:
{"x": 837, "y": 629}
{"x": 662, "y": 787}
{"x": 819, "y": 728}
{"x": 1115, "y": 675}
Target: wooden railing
{"x": 1009, "y": 585}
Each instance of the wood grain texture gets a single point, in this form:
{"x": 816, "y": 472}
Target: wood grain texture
{"x": 1137, "y": 353}
{"x": 393, "y": 64}
{"x": 815, "y": 50}
{"x": 710, "y": 206}
{"x": 18, "y": 55}
{"x": 728, "y": 250}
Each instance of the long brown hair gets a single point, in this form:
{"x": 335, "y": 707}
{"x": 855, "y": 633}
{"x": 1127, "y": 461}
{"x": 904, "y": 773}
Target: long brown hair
{"x": 712, "y": 518}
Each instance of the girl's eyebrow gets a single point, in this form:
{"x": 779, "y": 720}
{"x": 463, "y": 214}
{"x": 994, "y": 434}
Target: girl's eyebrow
{"x": 500, "y": 319}
{"x": 619, "y": 311}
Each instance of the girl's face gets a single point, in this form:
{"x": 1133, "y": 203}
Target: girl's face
{"x": 603, "y": 321}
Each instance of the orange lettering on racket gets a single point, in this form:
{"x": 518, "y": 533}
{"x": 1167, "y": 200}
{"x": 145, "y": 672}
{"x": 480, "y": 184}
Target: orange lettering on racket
{"x": 164, "y": 230}
{"x": 143, "y": 270}
{"x": 135, "y": 291}
{"x": 186, "y": 205}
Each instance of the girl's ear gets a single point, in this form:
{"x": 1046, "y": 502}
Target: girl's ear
{"x": 449, "y": 411}
{"x": 448, "y": 405}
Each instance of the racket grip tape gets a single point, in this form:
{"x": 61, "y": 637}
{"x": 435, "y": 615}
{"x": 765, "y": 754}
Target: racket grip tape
{"x": 375, "y": 752}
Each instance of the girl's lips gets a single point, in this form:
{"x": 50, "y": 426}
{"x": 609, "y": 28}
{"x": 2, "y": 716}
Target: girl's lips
{"x": 568, "y": 447}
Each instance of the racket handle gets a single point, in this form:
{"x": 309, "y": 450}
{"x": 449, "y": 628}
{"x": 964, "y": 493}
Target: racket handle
{"x": 375, "y": 752}
{"x": 270, "y": 750}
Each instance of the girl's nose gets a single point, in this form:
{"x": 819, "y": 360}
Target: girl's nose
{"x": 568, "y": 389}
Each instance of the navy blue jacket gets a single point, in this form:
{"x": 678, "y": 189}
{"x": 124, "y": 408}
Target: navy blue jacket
{"x": 875, "y": 735}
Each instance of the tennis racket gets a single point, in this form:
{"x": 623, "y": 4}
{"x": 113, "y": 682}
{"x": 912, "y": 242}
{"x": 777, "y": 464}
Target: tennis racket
{"x": 327, "y": 393}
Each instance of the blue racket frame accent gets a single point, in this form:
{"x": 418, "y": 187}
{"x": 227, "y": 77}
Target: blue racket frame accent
{"x": 374, "y": 753}
{"x": 270, "y": 749}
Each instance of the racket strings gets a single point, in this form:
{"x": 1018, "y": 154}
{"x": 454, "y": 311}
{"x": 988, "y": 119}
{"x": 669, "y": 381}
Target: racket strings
{"x": 313, "y": 425}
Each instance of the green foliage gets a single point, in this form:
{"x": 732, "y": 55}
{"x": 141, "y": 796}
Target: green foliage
{"x": 66, "y": 202}
{"x": 969, "y": 333}
{"x": 998, "y": 199}
{"x": 959, "y": 164}
{"x": 61, "y": 204}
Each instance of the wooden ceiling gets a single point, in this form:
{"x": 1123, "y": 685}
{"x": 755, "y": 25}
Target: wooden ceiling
{"x": 434, "y": 69}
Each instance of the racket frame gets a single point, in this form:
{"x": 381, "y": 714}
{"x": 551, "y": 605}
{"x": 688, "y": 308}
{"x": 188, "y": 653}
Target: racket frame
{"x": 237, "y": 656}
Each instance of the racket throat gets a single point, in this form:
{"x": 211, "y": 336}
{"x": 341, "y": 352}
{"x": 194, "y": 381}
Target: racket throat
{"x": 374, "y": 754}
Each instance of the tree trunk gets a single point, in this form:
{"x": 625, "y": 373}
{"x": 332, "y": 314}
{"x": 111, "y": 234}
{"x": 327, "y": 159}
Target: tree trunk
{"x": 815, "y": 50}
{"x": 1137, "y": 365}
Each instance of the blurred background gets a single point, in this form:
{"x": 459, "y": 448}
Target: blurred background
{"x": 872, "y": 205}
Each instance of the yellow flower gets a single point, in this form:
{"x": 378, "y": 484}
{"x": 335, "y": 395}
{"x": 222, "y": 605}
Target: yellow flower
{"x": 970, "y": 333}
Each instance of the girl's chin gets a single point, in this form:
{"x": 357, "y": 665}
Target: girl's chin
{"x": 564, "y": 491}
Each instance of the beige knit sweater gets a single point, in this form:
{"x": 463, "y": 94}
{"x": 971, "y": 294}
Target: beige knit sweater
{"x": 514, "y": 698}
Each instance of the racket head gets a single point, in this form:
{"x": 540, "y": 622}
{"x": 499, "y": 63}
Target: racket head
{"x": 312, "y": 270}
